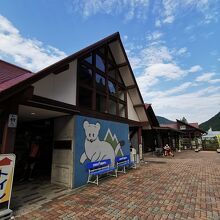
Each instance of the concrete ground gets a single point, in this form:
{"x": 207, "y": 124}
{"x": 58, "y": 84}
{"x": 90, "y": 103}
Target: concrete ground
{"x": 184, "y": 187}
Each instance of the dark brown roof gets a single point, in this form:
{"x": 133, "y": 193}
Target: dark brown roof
{"x": 11, "y": 75}
{"x": 173, "y": 125}
{"x": 167, "y": 129}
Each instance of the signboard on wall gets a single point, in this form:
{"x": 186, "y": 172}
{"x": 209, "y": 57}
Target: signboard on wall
{"x": 95, "y": 140}
{"x": 183, "y": 127}
{"x": 12, "y": 121}
{"x": 7, "y": 163}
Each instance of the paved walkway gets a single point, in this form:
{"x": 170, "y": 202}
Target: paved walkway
{"x": 184, "y": 187}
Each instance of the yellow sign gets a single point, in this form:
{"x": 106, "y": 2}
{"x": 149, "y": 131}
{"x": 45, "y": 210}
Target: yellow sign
{"x": 218, "y": 138}
{"x": 7, "y": 163}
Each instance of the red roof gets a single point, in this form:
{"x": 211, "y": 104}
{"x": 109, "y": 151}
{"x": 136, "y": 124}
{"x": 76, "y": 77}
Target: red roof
{"x": 11, "y": 75}
{"x": 174, "y": 125}
{"x": 196, "y": 125}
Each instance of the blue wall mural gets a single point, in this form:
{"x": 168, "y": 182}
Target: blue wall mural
{"x": 97, "y": 139}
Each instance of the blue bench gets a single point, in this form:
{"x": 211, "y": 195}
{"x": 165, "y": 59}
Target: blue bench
{"x": 98, "y": 168}
{"x": 123, "y": 162}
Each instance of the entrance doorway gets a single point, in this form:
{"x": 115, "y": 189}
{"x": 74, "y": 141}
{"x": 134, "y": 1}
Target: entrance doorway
{"x": 38, "y": 132}
{"x": 33, "y": 183}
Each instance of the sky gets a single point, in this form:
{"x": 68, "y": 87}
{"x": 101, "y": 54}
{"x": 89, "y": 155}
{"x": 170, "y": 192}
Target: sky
{"x": 173, "y": 45}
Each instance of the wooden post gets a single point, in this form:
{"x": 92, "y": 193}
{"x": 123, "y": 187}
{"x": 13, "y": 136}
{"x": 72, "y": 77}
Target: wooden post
{"x": 140, "y": 142}
{"x": 9, "y": 132}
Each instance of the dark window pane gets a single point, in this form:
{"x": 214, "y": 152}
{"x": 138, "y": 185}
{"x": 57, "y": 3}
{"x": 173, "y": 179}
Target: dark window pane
{"x": 85, "y": 97}
{"x": 85, "y": 75}
{"x": 100, "y": 82}
{"x": 100, "y": 103}
{"x": 100, "y": 63}
{"x": 111, "y": 88}
{"x": 121, "y": 110}
{"x": 112, "y": 107}
{"x": 89, "y": 58}
{"x": 121, "y": 93}
{"x": 111, "y": 71}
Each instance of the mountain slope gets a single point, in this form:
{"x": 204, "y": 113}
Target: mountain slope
{"x": 163, "y": 120}
{"x": 213, "y": 123}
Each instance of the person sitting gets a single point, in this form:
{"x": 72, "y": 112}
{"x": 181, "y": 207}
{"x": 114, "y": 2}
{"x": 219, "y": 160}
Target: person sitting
{"x": 167, "y": 151}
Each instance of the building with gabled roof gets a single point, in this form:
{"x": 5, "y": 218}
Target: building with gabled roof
{"x": 191, "y": 133}
{"x": 157, "y": 136}
{"x": 88, "y": 97}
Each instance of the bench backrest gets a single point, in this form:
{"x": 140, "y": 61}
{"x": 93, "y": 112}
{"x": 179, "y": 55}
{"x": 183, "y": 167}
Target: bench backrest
{"x": 122, "y": 158}
{"x": 98, "y": 164}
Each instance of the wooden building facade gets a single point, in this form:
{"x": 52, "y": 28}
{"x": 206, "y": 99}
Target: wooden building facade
{"x": 88, "y": 99}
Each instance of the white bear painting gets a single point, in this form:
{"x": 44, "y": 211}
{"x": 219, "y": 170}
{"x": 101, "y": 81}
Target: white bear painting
{"x": 96, "y": 149}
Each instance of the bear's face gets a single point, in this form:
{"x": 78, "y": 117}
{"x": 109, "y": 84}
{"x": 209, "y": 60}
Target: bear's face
{"x": 91, "y": 130}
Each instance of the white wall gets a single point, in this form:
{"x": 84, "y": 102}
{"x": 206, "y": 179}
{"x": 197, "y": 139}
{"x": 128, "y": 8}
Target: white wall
{"x": 60, "y": 87}
{"x": 62, "y": 164}
{"x": 132, "y": 115}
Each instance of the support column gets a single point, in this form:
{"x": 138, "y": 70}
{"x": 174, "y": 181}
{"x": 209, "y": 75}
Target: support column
{"x": 190, "y": 140}
{"x": 140, "y": 143}
{"x": 9, "y": 132}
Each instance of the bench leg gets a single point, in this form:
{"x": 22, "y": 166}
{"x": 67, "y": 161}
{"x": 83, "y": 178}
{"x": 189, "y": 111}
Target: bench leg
{"x": 88, "y": 180}
{"x": 124, "y": 169}
{"x": 97, "y": 180}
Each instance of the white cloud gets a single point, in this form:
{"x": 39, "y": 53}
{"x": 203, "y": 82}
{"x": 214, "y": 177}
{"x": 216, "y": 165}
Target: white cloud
{"x": 182, "y": 51}
{"x": 173, "y": 8}
{"x": 205, "y": 77}
{"x": 125, "y": 37}
{"x": 189, "y": 28}
{"x": 152, "y": 74}
{"x": 195, "y": 68}
{"x": 129, "y": 8}
{"x": 29, "y": 53}
{"x": 172, "y": 91}
{"x": 155, "y": 54}
{"x": 158, "y": 23}
{"x": 188, "y": 105}
{"x": 192, "y": 38}
{"x": 154, "y": 36}
{"x": 168, "y": 10}
{"x": 213, "y": 81}
{"x": 169, "y": 20}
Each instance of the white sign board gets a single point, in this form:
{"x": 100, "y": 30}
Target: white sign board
{"x": 7, "y": 163}
{"x": 183, "y": 127}
{"x": 12, "y": 121}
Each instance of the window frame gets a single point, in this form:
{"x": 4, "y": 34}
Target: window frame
{"x": 103, "y": 92}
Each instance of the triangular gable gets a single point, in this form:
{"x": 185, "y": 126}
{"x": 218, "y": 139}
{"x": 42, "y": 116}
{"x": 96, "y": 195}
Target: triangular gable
{"x": 121, "y": 59}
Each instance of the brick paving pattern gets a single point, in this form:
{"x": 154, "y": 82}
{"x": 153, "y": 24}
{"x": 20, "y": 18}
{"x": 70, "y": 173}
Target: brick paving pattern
{"x": 184, "y": 187}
